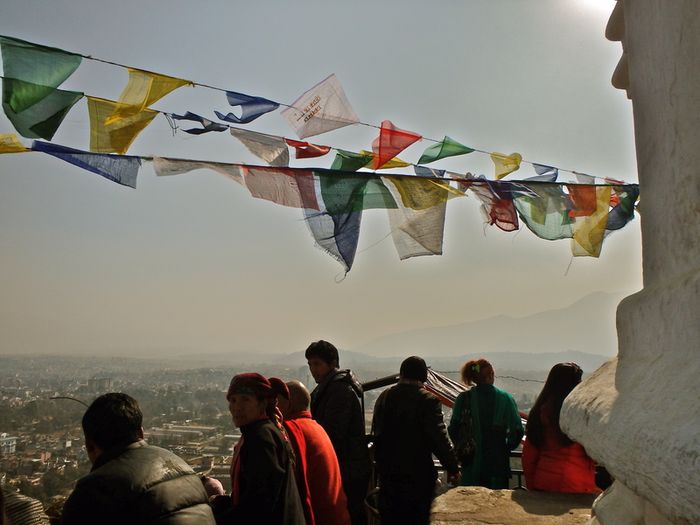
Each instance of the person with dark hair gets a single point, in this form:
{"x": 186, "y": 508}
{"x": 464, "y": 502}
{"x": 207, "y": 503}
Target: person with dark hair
{"x": 337, "y": 405}
{"x": 495, "y": 425}
{"x": 408, "y": 429}
{"x": 552, "y": 461}
{"x": 131, "y": 481}
{"x": 318, "y": 473}
{"x": 263, "y": 488}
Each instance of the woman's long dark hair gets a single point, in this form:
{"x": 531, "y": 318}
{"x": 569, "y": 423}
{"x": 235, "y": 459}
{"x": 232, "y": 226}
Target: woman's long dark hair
{"x": 562, "y": 379}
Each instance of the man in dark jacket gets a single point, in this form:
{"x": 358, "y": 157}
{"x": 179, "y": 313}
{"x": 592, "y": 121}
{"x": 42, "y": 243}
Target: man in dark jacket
{"x": 336, "y": 404}
{"x": 132, "y": 482}
{"x": 408, "y": 429}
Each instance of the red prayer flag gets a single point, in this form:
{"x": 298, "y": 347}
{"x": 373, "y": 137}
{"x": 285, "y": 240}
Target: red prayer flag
{"x": 584, "y": 199}
{"x": 390, "y": 142}
{"x": 305, "y": 150}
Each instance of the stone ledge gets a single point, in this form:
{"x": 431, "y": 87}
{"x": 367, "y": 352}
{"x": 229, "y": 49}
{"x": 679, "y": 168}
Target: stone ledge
{"x": 481, "y": 506}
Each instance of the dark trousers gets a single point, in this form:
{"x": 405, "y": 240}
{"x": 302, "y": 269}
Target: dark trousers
{"x": 406, "y": 502}
{"x": 356, "y": 492}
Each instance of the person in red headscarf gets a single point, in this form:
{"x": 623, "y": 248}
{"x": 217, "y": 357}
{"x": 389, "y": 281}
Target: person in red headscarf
{"x": 263, "y": 488}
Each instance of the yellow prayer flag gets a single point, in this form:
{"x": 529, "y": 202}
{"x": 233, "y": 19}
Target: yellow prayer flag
{"x": 393, "y": 163}
{"x": 108, "y": 135}
{"x": 506, "y": 164}
{"x": 9, "y": 143}
{"x": 143, "y": 89}
{"x": 420, "y": 193}
{"x": 589, "y": 231}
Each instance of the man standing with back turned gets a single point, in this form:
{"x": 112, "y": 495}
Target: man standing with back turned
{"x": 336, "y": 403}
{"x": 408, "y": 429}
{"x": 132, "y": 482}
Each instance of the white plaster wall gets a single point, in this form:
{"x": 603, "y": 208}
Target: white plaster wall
{"x": 639, "y": 415}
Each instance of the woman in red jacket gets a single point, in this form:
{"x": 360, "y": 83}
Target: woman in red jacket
{"x": 551, "y": 461}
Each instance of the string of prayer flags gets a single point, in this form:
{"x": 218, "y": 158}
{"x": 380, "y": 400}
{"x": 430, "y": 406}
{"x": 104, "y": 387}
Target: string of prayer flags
{"x": 322, "y": 108}
{"x": 40, "y": 69}
{"x": 166, "y": 167}
{"x": 251, "y": 107}
{"x": 349, "y": 161}
{"x": 207, "y": 125}
{"x": 446, "y": 148}
{"x": 43, "y": 117}
{"x": 9, "y": 143}
{"x": 589, "y": 231}
{"x": 143, "y": 89}
{"x": 109, "y": 135}
{"x": 390, "y": 142}
{"x": 505, "y": 164}
{"x": 121, "y": 169}
{"x": 269, "y": 148}
{"x": 305, "y": 150}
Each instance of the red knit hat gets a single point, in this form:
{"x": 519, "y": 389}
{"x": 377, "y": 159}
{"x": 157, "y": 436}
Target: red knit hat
{"x": 254, "y": 384}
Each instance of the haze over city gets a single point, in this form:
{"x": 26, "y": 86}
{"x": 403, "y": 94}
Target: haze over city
{"x": 192, "y": 264}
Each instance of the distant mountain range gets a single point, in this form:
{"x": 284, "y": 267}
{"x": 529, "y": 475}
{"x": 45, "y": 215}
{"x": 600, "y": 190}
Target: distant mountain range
{"x": 587, "y": 326}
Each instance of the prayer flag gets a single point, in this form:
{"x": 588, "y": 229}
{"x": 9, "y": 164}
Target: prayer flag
{"x": 294, "y": 188}
{"x": 589, "y": 231}
{"x": 584, "y": 199}
{"x": 9, "y": 143}
{"x": 545, "y": 211}
{"x": 497, "y": 209}
{"x": 390, "y": 142}
{"x": 349, "y": 161}
{"x": 117, "y": 135}
{"x": 505, "y": 164}
{"x": 43, "y": 117}
{"x": 390, "y": 164}
{"x": 446, "y": 148}
{"x": 418, "y": 193}
{"x": 207, "y": 125}
{"x": 305, "y": 150}
{"x": 416, "y": 232}
{"x": 41, "y": 69}
{"x": 623, "y": 206}
{"x": 270, "y": 148}
{"x": 164, "y": 167}
{"x": 143, "y": 89}
{"x": 322, "y": 108}
{"x": 422, "y": 171}
{"x": 121, "y": 169}
{"x": 545, "y": 172}
{"x": 251, "y": 107}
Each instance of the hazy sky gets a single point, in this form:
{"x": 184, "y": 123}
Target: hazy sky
{"x": 193, "y": 263}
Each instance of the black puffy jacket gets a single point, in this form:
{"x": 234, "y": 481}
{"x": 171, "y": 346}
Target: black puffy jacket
{"x": 138, "y": 485}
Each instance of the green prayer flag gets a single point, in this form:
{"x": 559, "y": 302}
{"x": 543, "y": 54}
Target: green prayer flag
{"x": 348, "y": 193}
{"x": 42, "y": 69}
{"x": 41, "y": 119}
{"x": 447, "y": 148}
{"x": 349, "y": 161}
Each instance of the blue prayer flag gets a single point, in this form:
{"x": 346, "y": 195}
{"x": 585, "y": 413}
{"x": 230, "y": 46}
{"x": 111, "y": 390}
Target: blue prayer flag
{"x": 251, "y": 107}
{"x": 121, "y": 169}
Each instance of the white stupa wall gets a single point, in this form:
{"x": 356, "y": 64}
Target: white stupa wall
{"x": 639, "y": 415}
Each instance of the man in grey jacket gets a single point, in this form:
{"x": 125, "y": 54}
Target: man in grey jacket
{"x": 132, "y": 482}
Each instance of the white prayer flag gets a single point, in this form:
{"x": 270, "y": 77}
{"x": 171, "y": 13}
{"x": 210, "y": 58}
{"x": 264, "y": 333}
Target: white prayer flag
{"x": 164, "y": 167}
{"x": 269, "y": 148}
{"x": 322, "y": 108}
